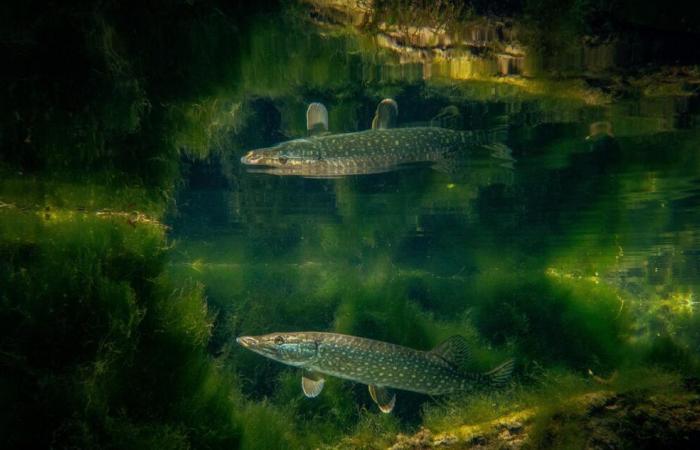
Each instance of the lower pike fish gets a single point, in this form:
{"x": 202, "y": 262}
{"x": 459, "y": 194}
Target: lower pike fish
{"x": 380, "y": 365}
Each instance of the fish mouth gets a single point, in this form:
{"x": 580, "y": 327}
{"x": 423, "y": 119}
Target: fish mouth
{"x": 248, "y": 342}
{"x": 256, "y": 345}
{"x": 250, "y": 158}
{"x": 260, "y": 158}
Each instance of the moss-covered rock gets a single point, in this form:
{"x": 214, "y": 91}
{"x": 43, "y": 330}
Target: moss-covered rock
{"x": 597, "y": 420}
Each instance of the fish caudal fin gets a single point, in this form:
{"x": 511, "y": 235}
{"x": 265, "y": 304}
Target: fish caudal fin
{"x": 496, "y": 134}
{"x": 500, "y": 151}
{"x": 500, "y": 375}
{"x": 316, "y": 118}
{"x": 487, "y": 136}
{"x": 312, "y": 384}
{"x": 383, "y": 398}
{"x": 386, "y": 115}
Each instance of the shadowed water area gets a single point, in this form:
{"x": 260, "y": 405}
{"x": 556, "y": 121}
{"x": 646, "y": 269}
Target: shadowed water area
{"x": 545, "y": 207}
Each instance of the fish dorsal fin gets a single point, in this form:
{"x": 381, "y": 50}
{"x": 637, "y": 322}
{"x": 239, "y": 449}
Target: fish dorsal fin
{"x": 316, "y": 119}
{"x": 454, "y": 350}
{"x": 384, "y": 398}
{"x": 500, "y": 375}
{"x": 312, "y": 383}
{"x": 386, "y": 115}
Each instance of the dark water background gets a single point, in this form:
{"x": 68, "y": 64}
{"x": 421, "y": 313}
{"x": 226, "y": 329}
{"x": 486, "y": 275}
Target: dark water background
{"x": 135, "y": 246}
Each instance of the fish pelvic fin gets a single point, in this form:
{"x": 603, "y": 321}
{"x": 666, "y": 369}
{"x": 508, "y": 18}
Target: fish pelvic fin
{"x": 316, "y": 119}
{"x": 384, "y": 398}
{"x": 312, "y": 384}
{"x": 386, "y": 116}
{"x": 455, "y": 351}
{"x": 500, "y": 375}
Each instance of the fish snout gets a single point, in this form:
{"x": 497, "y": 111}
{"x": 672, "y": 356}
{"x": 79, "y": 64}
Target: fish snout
{"x": 254, "y": 157}
{"x": 250, "y": 158}
{"x": 247, "y": 341}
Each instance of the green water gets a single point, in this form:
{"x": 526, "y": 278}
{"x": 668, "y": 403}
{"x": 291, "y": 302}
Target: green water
{"x": 135, "y": 248}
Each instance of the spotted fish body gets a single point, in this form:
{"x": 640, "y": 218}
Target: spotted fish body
{"x": 384, "y": 364}
{"x": 363, "y": 152}
{"x": 380, "y": 365}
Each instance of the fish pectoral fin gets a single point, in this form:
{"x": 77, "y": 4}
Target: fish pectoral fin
{"x": 384, "y": 398}
{"x": 312, "y": 384}
{"x": 316, "y": 119}
{"x": 454, "y": 350}
{"x": 386, "y": 115}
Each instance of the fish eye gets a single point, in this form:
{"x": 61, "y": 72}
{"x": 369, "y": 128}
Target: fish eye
{"x": 279, "y": 340}
{"x": 282, "y": 159}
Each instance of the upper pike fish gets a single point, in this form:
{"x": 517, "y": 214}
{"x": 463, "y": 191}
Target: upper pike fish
{"x": 380, "y": 149}
{"x": 380, "y": 365}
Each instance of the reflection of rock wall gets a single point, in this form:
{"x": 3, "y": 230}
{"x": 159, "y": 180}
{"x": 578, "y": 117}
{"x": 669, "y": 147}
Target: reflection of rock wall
{"x": 353, "y": 12}
{"x": 493, "y": 49}
{"x": 478, "y": 48}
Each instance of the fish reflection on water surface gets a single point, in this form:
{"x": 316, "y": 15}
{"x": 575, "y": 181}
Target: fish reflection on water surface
{"x": 380, "y": 149}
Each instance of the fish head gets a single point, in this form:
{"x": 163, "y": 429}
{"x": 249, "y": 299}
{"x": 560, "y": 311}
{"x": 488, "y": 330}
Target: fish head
{"x": 289, "y": 153}
{"x": 295, "y": 349}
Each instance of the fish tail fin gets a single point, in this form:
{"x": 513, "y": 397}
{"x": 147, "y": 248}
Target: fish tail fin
{"x": 500, "y": 375}
{"x": 492, "y": 139}
{"x": 487, "y": 136}
{"x": 499, "y": 133}
{"x": 500, "y": 151}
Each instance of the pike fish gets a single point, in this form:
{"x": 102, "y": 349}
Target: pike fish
{"x": 380, "y": 149}
{"x": 380, "y": 365}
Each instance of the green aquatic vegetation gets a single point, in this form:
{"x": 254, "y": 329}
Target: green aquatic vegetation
{"x": 642, "y": 379}
{"x": 129, "y": 435}
{"x": 548, "y": 387}
{"x": 566, "y": 422}
{"x": 387, "y": 312}
{"x": 127, "y": 103}
{"x": 86, "y": 111}
{"x": 372, "y": 431}
{"x": 60, "y": 197}
{"x": 671, "y": 350}
{"x": 202, "y": 126}
{"x": 96, "y": 342}
{"x": 581, "y": 324}
{"x": 552, "y": 405}
{"x": 274, "y": 66}
{"x": 173, "y": 345}
{"x": 266, "y": 427}
{"x": 558, "y": 428}
{"x": 322, "y": 418}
